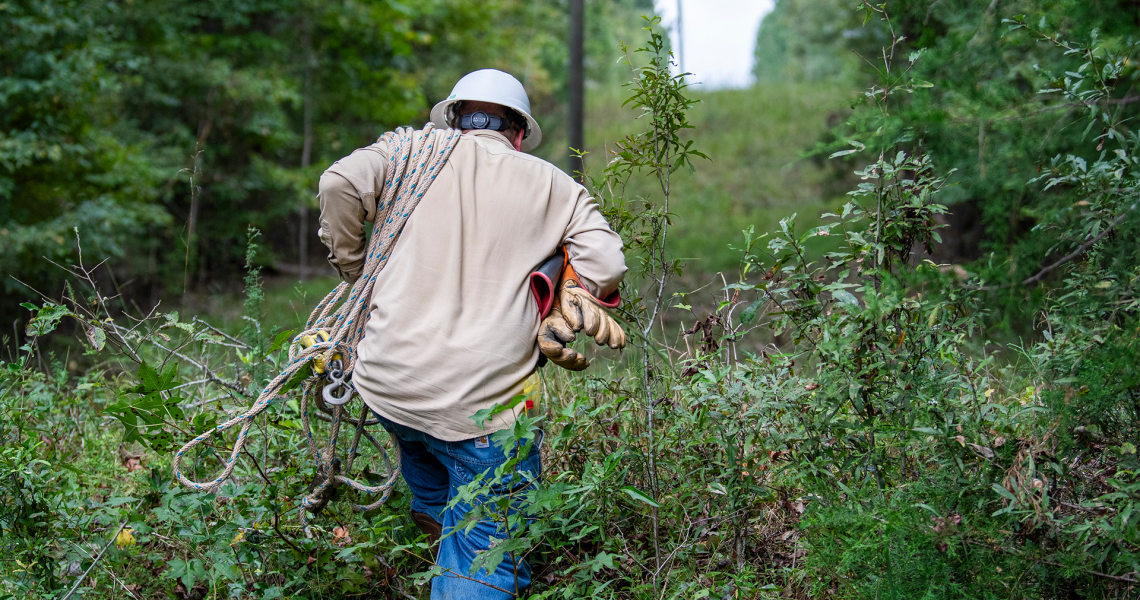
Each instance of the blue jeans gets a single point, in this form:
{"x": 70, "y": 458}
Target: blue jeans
{"x": 435, "y": 470}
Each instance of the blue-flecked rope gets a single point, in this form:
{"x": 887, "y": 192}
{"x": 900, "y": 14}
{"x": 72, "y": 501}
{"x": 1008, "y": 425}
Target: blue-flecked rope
{"x": 413, "y": 165}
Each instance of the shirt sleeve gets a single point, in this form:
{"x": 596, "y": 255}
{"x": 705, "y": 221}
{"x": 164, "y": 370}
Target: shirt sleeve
{"x": 347, "y": 193}
{"x": 593, "y": 248}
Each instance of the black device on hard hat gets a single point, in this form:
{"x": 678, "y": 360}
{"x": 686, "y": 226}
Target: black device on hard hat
{"x": 482, "y": 120}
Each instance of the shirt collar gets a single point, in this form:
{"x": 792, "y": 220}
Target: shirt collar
{"x": 490, "y": 134}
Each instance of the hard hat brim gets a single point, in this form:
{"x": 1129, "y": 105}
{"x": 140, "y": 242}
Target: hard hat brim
{"x": 530, "y": 142}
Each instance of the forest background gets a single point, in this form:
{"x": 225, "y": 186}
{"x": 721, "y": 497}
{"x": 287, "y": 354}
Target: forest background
{"x": 922, "y": 383}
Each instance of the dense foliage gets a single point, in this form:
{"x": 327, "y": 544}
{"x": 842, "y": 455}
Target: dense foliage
{"x": 985, "y": 116}
{"x": 162, "y": 129}
{"x": 841, "y": 423}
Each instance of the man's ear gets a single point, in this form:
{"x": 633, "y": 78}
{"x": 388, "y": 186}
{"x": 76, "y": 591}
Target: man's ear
{"x": 517, "y": 138}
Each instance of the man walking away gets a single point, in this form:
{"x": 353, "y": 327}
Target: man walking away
{"x": 452, "y": 325}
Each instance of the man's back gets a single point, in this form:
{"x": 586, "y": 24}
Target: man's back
{"x": 452, "y": 325}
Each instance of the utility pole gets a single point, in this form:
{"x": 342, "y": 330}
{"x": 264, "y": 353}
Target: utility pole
{"x": 576, "y": 87}
{"x": 680, "y": 38}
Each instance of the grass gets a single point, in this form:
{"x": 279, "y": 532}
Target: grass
{"x": 756, "y": 175}
{"x": 288, "y": 303}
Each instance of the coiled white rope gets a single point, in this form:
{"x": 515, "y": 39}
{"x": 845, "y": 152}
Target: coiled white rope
{"x": 416, "y": 158}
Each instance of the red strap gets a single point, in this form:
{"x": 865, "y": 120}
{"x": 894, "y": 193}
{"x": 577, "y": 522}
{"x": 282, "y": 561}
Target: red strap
{"x": 543, "y": 289}
{"x": 611, "y": 301}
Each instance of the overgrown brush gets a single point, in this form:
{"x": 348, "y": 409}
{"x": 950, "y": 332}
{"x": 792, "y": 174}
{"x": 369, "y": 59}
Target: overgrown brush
{"x": 877, "y": 445}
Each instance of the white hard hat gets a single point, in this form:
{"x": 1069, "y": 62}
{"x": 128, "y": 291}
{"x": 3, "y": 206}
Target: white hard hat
{"x": 495, "y": 86}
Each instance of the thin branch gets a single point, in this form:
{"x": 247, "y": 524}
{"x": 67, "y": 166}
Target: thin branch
{"x": 100, "y": 556}
{"x": 1084, "y": 247}
{"x": 1067, "y": 258}
{"x": 109, "y": 571}
{"x": 286, "y": 539}
{"x": 206, "y": 370}
{"x": 221, "y": 333}
{"x": 189, "y": 383}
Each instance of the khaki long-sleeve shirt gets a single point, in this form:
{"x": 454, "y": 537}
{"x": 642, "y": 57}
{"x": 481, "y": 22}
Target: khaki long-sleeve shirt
{"x": 452, "y": 321}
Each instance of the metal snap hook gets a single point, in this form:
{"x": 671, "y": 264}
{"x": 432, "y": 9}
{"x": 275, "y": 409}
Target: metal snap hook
{"x": 336, "y": 382}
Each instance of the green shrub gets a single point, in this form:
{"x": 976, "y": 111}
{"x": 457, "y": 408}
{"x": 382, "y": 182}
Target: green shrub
{"x": 841, "y": 425}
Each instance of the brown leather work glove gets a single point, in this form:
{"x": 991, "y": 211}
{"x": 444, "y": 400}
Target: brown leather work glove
{"x": 583, "y": 312}
{"x": 554, "y": 333}
{"x": 575, "y": 309}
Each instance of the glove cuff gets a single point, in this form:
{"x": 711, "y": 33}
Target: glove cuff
{"x": 610, "y": 301}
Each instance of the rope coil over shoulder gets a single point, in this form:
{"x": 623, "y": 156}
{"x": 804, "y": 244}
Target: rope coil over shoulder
{"x": 416, "y": 158}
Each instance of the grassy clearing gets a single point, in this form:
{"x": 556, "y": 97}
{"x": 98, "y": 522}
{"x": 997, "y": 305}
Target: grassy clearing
{"x": 755, "y": 139}
{"x": 288, "y": 303}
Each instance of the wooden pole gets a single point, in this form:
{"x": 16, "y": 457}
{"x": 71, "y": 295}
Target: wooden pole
{"x": 576, "y": 87}
{"x": 680, "y": 38}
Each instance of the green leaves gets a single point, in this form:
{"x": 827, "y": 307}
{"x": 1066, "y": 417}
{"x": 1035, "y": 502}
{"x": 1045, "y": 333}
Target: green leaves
{"x": 749, "y": 313}
{"x": 148, "y": 408}
{"x": 46, "y": 319}
{"x": 639, "y": 495}
{"x": 845, "y": 297}
{"x": 483, "y": 415}
{"x": 858, "y": 147}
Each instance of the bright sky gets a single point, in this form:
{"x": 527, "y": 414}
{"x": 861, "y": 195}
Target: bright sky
{"x": 719, "y": 38}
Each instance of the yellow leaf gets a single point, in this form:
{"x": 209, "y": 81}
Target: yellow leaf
{"x": 238, "y": 538}
{"x": 125, "y": 538}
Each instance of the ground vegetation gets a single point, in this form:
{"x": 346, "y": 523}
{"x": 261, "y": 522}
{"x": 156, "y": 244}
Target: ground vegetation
{"x": 848, "y": 417}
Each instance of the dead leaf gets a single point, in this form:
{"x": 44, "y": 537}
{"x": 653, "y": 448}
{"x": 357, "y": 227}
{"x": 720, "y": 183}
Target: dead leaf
{"x": 97, "y": 337}
{"x": 960, "y": 440}
{"x": 340, "y": 537}
{"x": 130, "y": 461}
{"x": 811, "y": 386}
{"x": 999, "y": 442}
{"x": 944, "y": 524}
{"x": 982, "y": 451}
